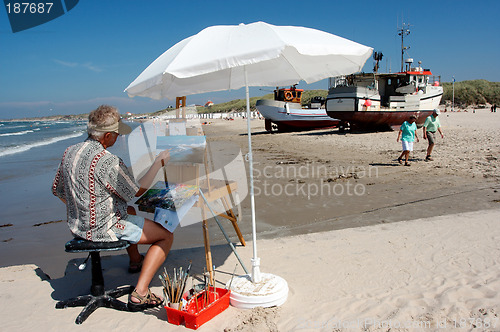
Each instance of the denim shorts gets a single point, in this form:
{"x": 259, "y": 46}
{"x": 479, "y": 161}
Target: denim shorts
{"x": 133, "y": 229}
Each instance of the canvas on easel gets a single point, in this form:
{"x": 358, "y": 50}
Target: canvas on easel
{"x": 188, "y": 156}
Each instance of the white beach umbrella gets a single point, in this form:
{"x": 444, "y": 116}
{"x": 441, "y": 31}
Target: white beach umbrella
{"x": 216, "y": 59}
{"x": 259, "y": 54}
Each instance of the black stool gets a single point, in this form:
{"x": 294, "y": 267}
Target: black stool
{"x": 98, "y": 297}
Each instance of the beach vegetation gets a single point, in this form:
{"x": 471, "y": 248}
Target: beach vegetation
{"x": 472, "y": 93}
{"x": 239, "y": 105}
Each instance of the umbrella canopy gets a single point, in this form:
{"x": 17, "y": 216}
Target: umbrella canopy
{"x": 215, "y": 58}
{"x": 258, "y": 54}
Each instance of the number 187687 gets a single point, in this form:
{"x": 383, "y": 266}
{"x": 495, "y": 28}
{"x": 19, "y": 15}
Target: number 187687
{"x": 29, "y": 7}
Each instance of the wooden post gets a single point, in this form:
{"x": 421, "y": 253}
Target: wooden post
{"x": 208, "y": 253}
{"x": 233, "y": 220}
{"x": 180, "y": 104}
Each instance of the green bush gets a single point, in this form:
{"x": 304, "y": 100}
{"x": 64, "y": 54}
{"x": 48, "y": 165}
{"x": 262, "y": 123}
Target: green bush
{"x": 472, "y": 92}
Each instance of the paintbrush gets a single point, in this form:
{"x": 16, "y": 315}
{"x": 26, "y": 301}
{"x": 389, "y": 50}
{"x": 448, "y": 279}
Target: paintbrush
{"x": 205, "y": 289}
{"x": 215, "y": 292}
{"x": 195, "y": 296}
{"x": 164, "y": 173}
{"x": 184, "y": 281}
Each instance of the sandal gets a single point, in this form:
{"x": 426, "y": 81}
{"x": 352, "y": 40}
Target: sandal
{"x": 135, "y": 267}
{"x": 407, "y": 164}
{"x": 150, "y": 300}
{"x": 400, "y": 160}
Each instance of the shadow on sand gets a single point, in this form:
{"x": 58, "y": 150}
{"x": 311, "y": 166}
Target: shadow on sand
{"x": 76, "y": 282}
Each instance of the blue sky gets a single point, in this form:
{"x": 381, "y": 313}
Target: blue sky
{"x": 88, "y": 56}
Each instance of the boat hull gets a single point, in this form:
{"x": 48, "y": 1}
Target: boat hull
{"x": 350, "y": 105}
{"x": 381, "y": 119}
{"x": 291, "y": 116}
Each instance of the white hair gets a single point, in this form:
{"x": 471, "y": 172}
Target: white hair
{"x": 102, "y": 116}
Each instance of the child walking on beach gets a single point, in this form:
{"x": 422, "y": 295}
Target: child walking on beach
{"x": 407, "y": 133}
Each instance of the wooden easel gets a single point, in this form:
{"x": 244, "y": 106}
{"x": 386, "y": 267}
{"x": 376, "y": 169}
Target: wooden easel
{"x": 213, "y": 189}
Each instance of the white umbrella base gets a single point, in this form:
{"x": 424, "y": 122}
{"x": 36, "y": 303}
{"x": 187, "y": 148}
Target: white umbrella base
{"x": 269, "y": 292}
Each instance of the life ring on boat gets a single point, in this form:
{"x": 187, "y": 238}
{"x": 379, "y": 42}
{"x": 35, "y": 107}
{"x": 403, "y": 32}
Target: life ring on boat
{"x": 288, "y": 95}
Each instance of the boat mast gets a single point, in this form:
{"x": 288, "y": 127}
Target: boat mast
{"x": 403, "y": 31}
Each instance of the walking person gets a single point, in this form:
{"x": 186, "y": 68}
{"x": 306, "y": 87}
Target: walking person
{"x": 408, "y": 134}
{"x": 431, "y": 125}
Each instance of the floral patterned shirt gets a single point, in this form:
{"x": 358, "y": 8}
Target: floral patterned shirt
{"x": 96, "y": 185}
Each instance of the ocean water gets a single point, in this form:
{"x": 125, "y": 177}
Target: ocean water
{"x": 31, "y": 147}
{"x": 30, "y": 152}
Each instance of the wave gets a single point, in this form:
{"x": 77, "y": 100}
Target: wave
{"x": 27, "y": 147}
{"x": 18, "y": 133}
{"x": 18, "y": 126}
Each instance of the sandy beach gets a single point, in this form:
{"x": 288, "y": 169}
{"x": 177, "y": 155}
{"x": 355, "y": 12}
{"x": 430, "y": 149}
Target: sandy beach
{"x": 363, "y": 242}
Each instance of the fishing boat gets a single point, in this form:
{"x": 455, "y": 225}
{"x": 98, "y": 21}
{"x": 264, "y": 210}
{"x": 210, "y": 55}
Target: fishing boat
{"x": 377, "y": 100}
{"x": 286, "y": 113}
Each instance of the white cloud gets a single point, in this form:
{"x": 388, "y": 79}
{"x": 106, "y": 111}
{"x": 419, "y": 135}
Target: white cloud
{"x": 87, "y": 65}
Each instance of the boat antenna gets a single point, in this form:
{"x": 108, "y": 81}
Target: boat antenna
{"x": 403, "y": 31}
{"x": 377, "y": 56}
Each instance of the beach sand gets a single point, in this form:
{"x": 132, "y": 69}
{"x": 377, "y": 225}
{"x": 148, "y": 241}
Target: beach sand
{"x": 426, "y": 274}
{"x": 357, "y": 236}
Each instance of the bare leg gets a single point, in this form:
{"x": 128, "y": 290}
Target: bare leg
{"x": 133, "y": 249}
{"x": 407, "y": 155}
{"x": 133, "y": 253}
{"x": 429, "y": 149}
{"x": 161, "y": 241}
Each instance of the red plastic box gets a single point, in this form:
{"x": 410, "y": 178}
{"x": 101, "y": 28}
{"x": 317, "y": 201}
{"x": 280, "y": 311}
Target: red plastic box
{"x": 195, "y": 316}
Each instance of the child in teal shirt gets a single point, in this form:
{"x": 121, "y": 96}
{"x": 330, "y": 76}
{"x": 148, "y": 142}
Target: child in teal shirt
{"x": 407, "y": 133}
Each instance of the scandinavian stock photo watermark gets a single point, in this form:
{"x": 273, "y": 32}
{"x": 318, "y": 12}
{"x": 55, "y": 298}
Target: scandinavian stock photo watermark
{"x": 388, "y": 324}
{"x": 311, "y": 180}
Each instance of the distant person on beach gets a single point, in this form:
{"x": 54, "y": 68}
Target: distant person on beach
{"x": 408, "y": 134}
{"x": 96, "y": 185}
{"x": 431, "y": 125}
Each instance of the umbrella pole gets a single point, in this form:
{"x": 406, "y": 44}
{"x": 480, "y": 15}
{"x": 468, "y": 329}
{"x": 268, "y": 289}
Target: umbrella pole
{"x": 263, "y": 289}
{"x": 256, "y": 277}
